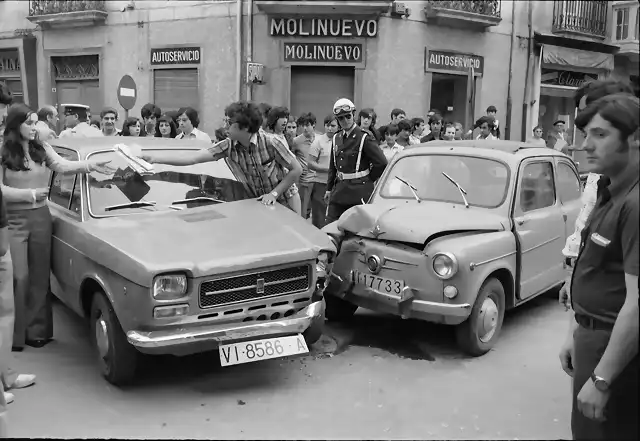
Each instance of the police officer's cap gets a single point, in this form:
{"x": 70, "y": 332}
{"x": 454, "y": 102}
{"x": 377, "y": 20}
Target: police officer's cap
{"x": 75, "y": 109}
{"x": 343, "y": 106}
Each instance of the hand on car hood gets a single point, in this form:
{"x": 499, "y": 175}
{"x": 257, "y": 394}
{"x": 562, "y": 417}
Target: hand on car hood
{"x": 209, "y": 239}
{"x": 415, "y": 222}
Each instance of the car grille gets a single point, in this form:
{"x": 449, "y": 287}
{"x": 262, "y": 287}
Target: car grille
{"x": 245, "y": 287}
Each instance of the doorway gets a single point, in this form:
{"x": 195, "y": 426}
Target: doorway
{"x": 449, "y": 96}
{"x": 77, "y": 81}
{"x": 315, "y": 89}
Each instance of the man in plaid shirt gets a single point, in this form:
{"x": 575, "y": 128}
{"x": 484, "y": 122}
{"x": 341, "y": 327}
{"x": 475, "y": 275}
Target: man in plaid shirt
{"x": 265, "y": 166}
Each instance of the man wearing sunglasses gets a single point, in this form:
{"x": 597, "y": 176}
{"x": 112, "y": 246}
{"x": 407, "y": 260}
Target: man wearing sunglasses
{"x": 356, "y": 162}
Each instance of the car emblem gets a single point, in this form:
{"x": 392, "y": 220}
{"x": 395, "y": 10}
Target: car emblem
{"x": 376, "y": 231}
{"x": 374, "y": 263}
{"x": 260, "y": 286}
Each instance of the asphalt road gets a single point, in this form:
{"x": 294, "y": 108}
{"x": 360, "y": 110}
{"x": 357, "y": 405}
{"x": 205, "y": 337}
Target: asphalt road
{"x": 378, "y": 378}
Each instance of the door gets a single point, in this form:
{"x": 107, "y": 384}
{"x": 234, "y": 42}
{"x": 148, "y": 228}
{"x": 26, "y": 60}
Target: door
{"x": 316, "y": 89}
{"x": 85, "y": 92}
{"x": 65, "y": 203}
{"x": 540, "y": 227}
{"x": 569, "y": 193}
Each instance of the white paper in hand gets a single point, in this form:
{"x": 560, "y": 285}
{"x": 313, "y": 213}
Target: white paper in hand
{"x": 141, "y": 166}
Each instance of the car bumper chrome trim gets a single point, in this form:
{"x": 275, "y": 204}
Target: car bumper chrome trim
{"x": 294, "y": 324}
{"x": 405, "y": 303}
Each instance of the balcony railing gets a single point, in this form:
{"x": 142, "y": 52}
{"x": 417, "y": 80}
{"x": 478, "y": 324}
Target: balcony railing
{"x": 464, "y": 13}
{"x": 61, "y": 13}
{"x": 582, "y": 17}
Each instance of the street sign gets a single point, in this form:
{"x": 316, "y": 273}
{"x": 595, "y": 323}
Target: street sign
{"x": 127, "y": 92}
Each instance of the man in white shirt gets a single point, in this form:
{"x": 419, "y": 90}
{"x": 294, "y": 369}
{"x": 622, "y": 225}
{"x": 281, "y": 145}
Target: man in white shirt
{"x": 47, "y": 123}
{"x": 485, "y": 124}
{"x": 391, "y": 147}
{"x": 188, "y": 122}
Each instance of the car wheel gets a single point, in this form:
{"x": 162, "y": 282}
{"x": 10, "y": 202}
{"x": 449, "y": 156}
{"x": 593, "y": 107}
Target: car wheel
{"x": 117, "y": 358}
{"x": 477, "y": 335}
{"x": 338, "y": 310}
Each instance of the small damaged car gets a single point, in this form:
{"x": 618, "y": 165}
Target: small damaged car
{"x": 181, "y": 260}
{"x": 456, "y": 233}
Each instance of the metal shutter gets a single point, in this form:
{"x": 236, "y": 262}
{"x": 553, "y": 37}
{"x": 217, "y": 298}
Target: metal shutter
{"x": 175, "y": 88}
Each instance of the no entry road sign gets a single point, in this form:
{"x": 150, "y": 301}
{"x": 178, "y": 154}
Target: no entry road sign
{"x": 127, "y": 92}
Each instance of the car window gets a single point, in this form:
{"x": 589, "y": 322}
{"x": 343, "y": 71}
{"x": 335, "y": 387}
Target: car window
{"x": 485, "y": 180}
{"x": 568, "y": 183}
{"x": 62, "y": 190}
{"x": 537, "y": 188}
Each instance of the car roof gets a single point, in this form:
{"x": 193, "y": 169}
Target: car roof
{"x": 85, "y": 146}
{"x": 507, "y": 151}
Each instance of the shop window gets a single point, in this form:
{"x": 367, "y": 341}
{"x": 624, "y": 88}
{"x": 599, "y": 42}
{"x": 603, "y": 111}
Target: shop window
{"x": 175, "y": 88}
{"x": 537, "y": 189}
{"x": 568, "y": 183}
{"x": 622, "y": 24}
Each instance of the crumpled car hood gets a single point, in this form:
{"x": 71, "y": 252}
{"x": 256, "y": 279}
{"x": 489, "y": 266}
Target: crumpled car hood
{"x": 206, "y": 240}
{"x": 414, "y": 222}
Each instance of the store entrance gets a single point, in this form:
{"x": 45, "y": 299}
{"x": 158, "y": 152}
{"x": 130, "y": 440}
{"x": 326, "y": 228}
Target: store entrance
{"x": 315, "y": 89}
{"x": 449, "y": 96}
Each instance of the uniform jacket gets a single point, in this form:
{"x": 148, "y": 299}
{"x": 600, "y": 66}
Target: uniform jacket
{"x": 344, "y": 156}
{"x": 82, "y": 130}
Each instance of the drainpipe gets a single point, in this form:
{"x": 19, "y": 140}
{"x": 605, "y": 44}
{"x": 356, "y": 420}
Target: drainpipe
{"x": 527, "y": 87}
{"x": 250, "y": 45}
{"x": 239, "y": 50}
{"x": 509, "y": 99}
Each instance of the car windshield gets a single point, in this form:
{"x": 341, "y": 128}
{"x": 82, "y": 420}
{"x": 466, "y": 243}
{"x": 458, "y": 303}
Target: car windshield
{"x": 168, "y": 188}
{"x": 484, "y": 181}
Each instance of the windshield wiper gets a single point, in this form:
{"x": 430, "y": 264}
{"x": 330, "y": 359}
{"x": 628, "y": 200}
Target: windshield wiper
{"x": 462, "y": 191}
{"x": 131, "y": 205}
{"x": 198, "y": 199}
{"x": 412, "y": 187}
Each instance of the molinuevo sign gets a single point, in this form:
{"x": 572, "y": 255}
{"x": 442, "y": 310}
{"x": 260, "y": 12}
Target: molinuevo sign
{"x": 324, "y": 52}
{"x": 176, "y": 55}
{"x": 454, "y": 61}
{"x": 322, "y": 27}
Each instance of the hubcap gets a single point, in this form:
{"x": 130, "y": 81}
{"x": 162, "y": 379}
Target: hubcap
{"x": 487, "y": 320}
{"x": 102, "y": 337}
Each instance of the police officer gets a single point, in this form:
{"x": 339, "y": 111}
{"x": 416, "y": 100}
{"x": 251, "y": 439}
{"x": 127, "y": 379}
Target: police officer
{"x": 356, "y": 163}
{"x": 75, "y": 120}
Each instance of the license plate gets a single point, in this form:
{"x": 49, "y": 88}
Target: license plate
{"x": 257, "y": 350}
{"x": 380, "y": 284}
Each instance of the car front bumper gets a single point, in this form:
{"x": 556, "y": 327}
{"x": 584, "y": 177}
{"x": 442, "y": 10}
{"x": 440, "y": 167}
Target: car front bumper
{"x": 405, "y": 305}
{"x": 211, "y": 336}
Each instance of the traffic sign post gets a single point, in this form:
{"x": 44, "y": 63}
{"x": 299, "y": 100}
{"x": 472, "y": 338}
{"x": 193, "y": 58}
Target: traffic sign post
{"x": 127, "y": 94}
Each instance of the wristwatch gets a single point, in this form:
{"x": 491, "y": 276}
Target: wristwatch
{"x": 274, "y": 194}
{"x": 599, "y": 382}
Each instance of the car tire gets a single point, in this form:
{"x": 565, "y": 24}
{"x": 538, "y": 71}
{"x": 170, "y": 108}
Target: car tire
{"x": 118, "y": 359}
{"x": 338, "y": 310}
{"x": 478, "y": 334}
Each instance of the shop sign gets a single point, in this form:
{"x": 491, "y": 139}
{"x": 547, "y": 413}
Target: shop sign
{"x": 9, "y": 62}
{"x": 565, "y": 77}
{"x": 454, "y": 61}
{"x": 324, "y": 52}
{"x": 176, "y": 55}
{"x": 322, "y": 27}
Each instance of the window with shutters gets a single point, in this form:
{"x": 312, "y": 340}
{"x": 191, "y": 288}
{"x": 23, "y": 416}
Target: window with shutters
{"x": 175, "y": 88}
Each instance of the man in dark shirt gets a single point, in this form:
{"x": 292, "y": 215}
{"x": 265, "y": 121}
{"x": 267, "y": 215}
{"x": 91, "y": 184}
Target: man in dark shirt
{"x": 601, "y": 350}
{"x": 356, "y": 162}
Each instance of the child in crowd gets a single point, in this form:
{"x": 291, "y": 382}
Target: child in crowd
{"x": 390, "y": 147}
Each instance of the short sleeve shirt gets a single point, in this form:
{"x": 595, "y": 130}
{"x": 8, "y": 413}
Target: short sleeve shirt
{"x": 320, "y": 152}
{"x": 609, "y": 249}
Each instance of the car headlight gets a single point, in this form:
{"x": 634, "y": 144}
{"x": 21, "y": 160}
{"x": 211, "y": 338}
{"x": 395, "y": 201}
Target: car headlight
{"x": 169, "y": 286}
{"x": 445, "y": 265}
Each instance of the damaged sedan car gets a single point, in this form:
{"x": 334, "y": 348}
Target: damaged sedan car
{"x": 457, "y": 233}
{"x": 179, "y": 260}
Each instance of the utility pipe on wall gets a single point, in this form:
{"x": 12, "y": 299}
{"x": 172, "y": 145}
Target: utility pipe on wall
{"x": 528, "y": 98}
{"x": 509, "y": 98}
{"x": 250, "y": 45}
{"x": 239, "y": 50}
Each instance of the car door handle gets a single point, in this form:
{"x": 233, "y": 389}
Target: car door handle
{"x": 520, "y": 220}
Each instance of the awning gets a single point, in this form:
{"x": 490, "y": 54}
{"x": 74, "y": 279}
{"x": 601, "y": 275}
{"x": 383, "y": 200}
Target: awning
{"x": 324, "y": 7}
{"x": 564, "y": 56}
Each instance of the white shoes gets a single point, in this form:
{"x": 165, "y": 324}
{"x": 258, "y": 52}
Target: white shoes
{"x": 8, "y": 397}
{"x": 22, "y": 381}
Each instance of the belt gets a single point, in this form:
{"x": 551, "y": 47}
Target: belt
{"x": 356, "y": 175}
{"x": 592, "y": 323}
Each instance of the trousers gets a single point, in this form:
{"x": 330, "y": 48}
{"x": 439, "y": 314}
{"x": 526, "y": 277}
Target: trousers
{"x": 31, "y": 254}
{"x": 305, "y": 189}
{"x": 7, "y": 314}
{"x": 318, "y": 207}
{"x": 334, "y": 211}
{"x": 621, "y": 411}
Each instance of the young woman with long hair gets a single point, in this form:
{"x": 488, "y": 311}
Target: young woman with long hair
{"x": 367, "y": 119}
{"x": 131, "y": 127}
{"x": 25, "y": 166}
{"x": 166, "y": 127}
